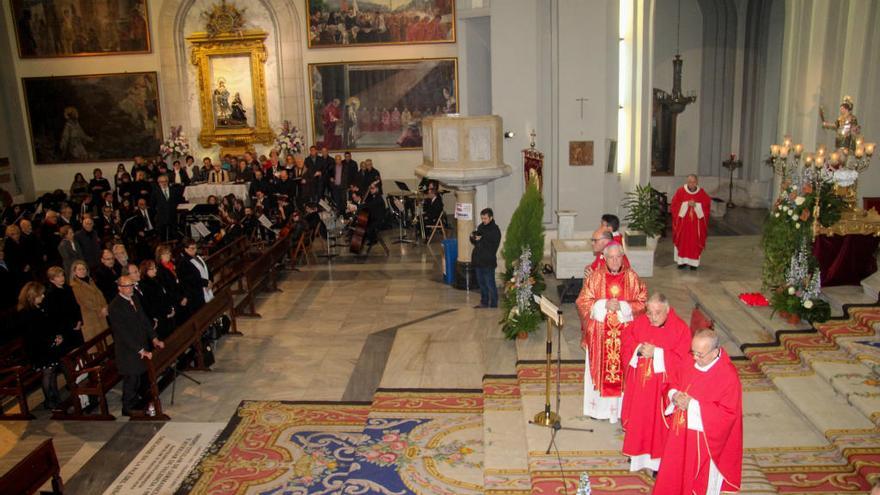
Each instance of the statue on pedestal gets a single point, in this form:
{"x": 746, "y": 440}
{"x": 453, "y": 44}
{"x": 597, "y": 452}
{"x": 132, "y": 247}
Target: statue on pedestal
{"x": 846, "y": 126}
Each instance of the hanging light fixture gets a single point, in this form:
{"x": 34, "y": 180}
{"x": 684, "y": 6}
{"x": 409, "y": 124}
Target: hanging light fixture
{"x": 677, "y": 101}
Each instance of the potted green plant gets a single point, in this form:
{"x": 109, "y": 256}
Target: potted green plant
{"x": 644, "y": 216}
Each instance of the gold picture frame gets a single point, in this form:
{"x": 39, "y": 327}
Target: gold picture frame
{"x": 322, "y": 21}
{"x": 210, "y": 51}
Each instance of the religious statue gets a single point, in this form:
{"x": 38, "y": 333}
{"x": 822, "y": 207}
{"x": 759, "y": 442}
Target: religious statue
{"x": 222, "y": 110}
{"x": 846, "y": 125}
{"x": 238, "y": 115}
{"x": 533, "y": 164}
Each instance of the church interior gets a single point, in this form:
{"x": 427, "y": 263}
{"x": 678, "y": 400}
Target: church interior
{"x": 439, "y": 247}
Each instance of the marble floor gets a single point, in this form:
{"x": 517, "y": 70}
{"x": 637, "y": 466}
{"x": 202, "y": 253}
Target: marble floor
{"x": 340, "y": 330}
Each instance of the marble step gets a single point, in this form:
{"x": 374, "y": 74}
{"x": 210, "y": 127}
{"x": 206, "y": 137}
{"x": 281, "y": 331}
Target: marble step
{"x": 754, "y": 480}
{"x": 871, "y": 285}
{"x": 817, "y": 400}
{"x": 853, "y": 381}
{"x": 763, "y": 315}
{"x": 846, "y": 294}
{"x": 731, "y": 320}
{"x": 505, "y": 453}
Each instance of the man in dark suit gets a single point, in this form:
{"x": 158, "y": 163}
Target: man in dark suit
{"x": 164, "y": 200}
{"x": 89, "y": 243}
{"x": 322, "y": 174}
{"x": 340, "y": 176}
{"x": 178, "y": 174}
{"x": 134, "y": 340}
{"x": 312, "y": 182}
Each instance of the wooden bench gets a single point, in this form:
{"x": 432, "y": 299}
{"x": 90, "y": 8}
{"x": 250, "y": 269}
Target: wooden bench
{"x": 26, "y": 477}
{"x": 179, "y": 342}
{"x": 90, "y": 370}
{"x": 259, "y": 274}
{"x": 17, "y": 378}
{"x": 227, "y": 264}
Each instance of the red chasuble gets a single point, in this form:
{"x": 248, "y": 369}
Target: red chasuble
{"x": 645, "y": 398}
{"x": 688, "y": 453}
{"x": 602, "y": 339}
{"x": 689, "y": 224}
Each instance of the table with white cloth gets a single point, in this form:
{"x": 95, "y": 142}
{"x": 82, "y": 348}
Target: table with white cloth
{"x": 199, "y": 193}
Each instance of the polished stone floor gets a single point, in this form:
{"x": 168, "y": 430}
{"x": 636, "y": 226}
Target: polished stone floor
{"x": 339, "y": 330}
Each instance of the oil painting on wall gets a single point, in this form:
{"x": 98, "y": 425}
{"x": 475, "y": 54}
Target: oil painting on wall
{"x": 93, "y": 118}
{"x": 70, "y": 28}
{"x": 233, "y": 100}
{"x": 379, "y": 105}
{"x": 334, "y": 23}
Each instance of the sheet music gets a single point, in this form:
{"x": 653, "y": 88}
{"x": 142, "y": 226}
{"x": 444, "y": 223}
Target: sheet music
{"x": 201, "y": 229}
{"x": 265, "y": 222}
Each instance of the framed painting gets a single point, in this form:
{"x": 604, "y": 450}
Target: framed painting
{"x": 580, "y": 153}
{"x": 75, "y": 28}
{"x": 94, "y": 118}
{"x": 379, "y": 105}
{"x": 335, "y": 23}
{"x": 232, "y": 89}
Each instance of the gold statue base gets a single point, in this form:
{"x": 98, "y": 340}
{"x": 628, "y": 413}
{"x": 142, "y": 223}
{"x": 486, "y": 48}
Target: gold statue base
{"x": 546, "y": 418}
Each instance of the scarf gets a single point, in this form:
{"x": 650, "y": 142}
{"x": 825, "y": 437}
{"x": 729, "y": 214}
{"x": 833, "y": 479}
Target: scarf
{"x": 170, "y": 266}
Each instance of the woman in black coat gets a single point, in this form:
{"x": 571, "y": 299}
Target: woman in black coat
{"x": 158, "y": 303}
{"x": 62, "y": 309}
{"x": 43, "y": 342}
{"x": 166, "y": 274}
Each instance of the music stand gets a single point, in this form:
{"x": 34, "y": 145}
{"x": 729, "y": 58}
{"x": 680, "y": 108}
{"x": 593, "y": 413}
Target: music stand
{"x": 402, "y": 186}
{"x": 331, "y": 220}
{"x": 399, "y": 213}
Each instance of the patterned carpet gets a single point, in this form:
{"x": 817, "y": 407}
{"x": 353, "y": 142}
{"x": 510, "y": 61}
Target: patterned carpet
{"x": 432, "y": 441}
{"x": 422, "y": 442}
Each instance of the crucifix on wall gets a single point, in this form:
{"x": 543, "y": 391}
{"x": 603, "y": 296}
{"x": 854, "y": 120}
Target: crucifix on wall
{"x": 582, "y": 100}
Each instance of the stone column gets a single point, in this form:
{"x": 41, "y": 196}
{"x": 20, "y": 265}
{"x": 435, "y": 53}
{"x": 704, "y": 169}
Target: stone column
{"x": 566, "y": 223}
{"x": 464, "y": 272}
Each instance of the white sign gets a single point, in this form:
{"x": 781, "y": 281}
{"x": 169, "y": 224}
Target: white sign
{"x": 464, "y": 211}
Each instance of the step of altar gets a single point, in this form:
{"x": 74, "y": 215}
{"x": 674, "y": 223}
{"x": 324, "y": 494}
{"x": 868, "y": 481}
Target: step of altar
{"x": 840, "y": 295}
{"x": 505, "y": 452}
{"x": 754, "y": 481}
{"x": 871, "y": 285}
{"x": 731, "y": 320}
{"x": 763, "y": 315}
{"x": 816, "y": 399}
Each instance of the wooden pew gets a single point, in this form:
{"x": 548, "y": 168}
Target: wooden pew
{"x": 259, "y": 274}
{"x": 96, "y": 359}
{"x": 178, "y": 343}
{"x": 26, "y": 477}
{"x": 17, "y": 378}
{"x": 227, "y": 264}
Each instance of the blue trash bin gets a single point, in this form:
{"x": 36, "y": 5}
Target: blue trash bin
{"x": 450, "y": 256}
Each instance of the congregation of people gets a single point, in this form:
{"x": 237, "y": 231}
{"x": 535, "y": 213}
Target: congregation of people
{"x": 116, "y": 250}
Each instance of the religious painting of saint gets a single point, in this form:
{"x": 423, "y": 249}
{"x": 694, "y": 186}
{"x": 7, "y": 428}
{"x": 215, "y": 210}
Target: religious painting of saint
{"x": 232, "y": 97}
{"x": 580, "y": 153}
{"x": 380, "y": 105}
{"x": 336, "y": 23}
{"x": 72, "y": 28}
{"x": 108, "y": 117}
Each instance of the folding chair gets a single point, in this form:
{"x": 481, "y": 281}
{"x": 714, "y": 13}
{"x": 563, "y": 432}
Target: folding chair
{"x": 437, "y": 225}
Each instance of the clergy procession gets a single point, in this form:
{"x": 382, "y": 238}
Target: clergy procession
{"x": 673, "y": 389}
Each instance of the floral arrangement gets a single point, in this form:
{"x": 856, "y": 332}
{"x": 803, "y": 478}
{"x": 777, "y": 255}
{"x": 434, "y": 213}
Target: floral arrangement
{"x": 584, "y": 485}
{"x": 289, "y": 139}
{"x": 176, "y": 145}
{"x": 845, "y": 177}
{"x": 520, "y": 309}
{"x": 800, "y": 295}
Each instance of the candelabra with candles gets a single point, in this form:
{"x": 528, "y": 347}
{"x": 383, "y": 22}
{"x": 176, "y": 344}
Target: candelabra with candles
{"x": 840, "y": 167}
{"x": 731, "y": 164}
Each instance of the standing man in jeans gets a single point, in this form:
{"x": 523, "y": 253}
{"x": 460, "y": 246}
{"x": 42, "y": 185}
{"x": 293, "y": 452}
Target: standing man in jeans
{"x": 486, "y": 239}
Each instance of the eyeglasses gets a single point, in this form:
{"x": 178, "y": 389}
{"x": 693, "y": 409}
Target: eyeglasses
{"x": 701, "y": 355}
{"x": 126, "y": 286}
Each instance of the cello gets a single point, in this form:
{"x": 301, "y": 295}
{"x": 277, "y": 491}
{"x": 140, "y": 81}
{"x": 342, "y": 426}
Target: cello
{"x": 359, "y": 231}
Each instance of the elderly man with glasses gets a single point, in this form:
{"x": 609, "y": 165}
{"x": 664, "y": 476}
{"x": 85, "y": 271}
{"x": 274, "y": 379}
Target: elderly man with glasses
{"x": 134, "y": 339}
{"x": 704, "y": 447}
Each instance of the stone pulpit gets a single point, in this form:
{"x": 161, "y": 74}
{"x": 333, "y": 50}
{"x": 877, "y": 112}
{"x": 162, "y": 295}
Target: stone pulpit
{"x": 462, "y": 153}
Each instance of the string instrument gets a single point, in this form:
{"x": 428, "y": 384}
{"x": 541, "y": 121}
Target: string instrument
{"x": 359, "y": 230}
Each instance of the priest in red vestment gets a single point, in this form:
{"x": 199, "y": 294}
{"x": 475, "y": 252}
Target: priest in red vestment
{"x": 657, "y": 346}
{"x": 690, "y": 223}
{"x": 704, "y": 446}
{"x": 330, "y": 116}
{"x": 610, "y": 298}
{"x": 601, "y": 238}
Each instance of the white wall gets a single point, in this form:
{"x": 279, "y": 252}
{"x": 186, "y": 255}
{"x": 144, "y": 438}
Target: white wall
{"x": 687, "y": 138}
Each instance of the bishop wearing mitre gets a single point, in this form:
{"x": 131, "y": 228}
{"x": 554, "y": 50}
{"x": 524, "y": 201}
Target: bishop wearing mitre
{"x": 610, "y": 298}
{"x": 704, "y": 446}
{"x": 656, "y": 347}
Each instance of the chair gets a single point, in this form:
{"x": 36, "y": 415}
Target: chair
{"x": 302, "y": 248}
{"x": 439, "y": 224}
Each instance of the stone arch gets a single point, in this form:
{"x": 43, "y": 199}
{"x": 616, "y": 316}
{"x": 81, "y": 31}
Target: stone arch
{"x": 289, "y": 26}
